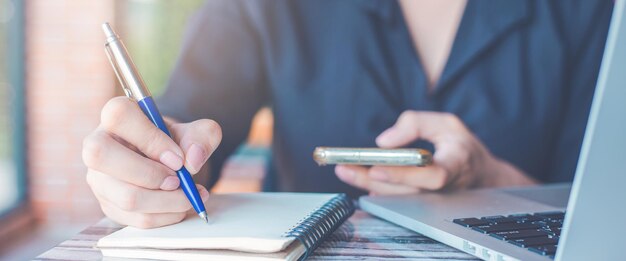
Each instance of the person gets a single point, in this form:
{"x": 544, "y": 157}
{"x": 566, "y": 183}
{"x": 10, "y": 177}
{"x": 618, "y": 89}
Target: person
{"x": 500, "y": 90}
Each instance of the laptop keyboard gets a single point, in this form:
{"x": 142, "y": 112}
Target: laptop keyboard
{"x": 538, "y": 232}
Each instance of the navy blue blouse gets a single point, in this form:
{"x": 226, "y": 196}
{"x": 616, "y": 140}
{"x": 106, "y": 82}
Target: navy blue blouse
{"x": 521, "y": 75}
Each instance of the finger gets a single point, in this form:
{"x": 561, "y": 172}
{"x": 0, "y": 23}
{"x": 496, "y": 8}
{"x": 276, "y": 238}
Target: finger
{"x": 170, "y": 124}
{"x": 131, "y": 198}
{"x": 454, "y": 156}
{"x": 141, "y": 220}
{"x": 198, "y": 139}
{"x": 123, "y": 118}
{"x": 432, "y": 177}
{"x": 413, "y": 125}
{"x": 358, "y": 176}
{"x": 105, "y": 154}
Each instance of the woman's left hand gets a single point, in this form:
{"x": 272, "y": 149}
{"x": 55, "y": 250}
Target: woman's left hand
{"x": 460, "y": 161}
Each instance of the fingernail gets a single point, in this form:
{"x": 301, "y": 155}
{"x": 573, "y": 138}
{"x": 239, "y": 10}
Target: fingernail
{"x": 379, "y": 175}
{"x": 195, "y": 157}
{"x": 384, "y": 137}
{"x": 171, "y": 160}
{"x": 344, "y": 173}
{"x": 170, "y": 183}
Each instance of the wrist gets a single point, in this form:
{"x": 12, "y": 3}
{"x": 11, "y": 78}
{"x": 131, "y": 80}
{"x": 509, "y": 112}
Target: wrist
{"x": 499, "y": 173}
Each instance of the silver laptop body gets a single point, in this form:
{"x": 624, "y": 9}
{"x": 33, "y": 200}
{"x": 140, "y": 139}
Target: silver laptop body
{"x": 595, "y": 221}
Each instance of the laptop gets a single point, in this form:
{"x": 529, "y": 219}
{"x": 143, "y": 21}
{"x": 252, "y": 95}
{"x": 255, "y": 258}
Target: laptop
{"x": 584, "y": 220}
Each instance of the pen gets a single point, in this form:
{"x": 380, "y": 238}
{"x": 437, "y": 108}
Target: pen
{"x": 135, "y": 88}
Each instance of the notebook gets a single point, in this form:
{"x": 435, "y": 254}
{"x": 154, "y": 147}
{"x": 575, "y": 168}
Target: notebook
{"x": 259, "y": 226}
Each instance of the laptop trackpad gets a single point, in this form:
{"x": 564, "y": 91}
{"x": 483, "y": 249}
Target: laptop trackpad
{"x": 551, "y": 195}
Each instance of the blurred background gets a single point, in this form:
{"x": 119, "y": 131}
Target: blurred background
{"x": 54, "y": 79}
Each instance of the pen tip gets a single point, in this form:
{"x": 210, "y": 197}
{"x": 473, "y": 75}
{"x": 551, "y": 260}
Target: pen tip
{"x": 204, "y": 216}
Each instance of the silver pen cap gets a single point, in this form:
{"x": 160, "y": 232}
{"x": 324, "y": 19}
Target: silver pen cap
{"x": 125, "y": 70}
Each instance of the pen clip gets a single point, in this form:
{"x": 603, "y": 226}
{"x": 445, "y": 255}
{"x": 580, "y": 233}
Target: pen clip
{"x": 116, "y": 69}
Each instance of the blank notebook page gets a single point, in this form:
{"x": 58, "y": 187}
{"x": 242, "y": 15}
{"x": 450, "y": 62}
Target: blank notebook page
{"x": 254, "y": 222}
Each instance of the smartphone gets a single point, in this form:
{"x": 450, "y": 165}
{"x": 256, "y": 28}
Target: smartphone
{"x": 372, "y": 156}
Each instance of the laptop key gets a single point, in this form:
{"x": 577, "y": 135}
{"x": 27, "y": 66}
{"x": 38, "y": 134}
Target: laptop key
{"x": 470, "y": 222}
{"x": 534, "y": 241}
{"x": 517, "y": 234}
{"x": 556, "y": 232}
{"x": 499, "y": 219}
{"x": 549, "y": 224}
{"x": 525, "y": 217}
{"x": 556, "y": 222}
{"x": 487, "y": 229}
{"x": 548, "y": 250}
{"x": 555, "y": 215}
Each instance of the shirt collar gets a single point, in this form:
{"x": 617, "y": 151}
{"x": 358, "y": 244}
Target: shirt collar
{"x": 484, "y": 23}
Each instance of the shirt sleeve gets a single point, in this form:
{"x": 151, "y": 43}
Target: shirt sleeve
{"x": 218, "y": 75}
{"x": 588, "y": 37}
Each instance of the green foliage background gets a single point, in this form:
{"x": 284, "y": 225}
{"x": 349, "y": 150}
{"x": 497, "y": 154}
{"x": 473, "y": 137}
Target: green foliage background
{"x": 153, "y": 31}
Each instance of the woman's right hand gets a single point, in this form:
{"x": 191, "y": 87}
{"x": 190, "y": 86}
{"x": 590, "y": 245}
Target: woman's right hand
{"x": 132, "y": 164}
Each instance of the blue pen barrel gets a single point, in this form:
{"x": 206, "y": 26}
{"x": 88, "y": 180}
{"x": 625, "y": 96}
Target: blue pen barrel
{"x": 149, "y": 108}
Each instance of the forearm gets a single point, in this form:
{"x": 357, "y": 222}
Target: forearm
{"x": 503, "y": 174}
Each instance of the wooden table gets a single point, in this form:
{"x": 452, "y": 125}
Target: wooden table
{"x": 362, "y": 237}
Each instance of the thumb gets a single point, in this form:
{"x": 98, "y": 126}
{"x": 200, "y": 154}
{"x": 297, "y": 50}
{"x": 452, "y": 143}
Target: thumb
{"x": 410, "y": 126}
{"x": 395, "y": 137}
{"x": 198, "y": 139}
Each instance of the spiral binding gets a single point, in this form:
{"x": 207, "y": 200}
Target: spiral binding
{"x": 316, "y": 227}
